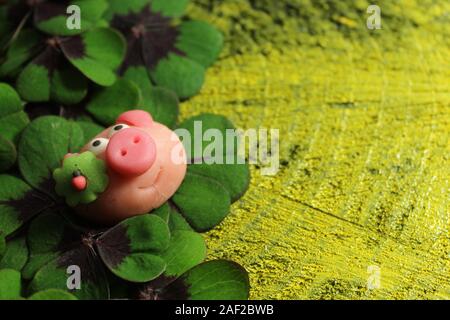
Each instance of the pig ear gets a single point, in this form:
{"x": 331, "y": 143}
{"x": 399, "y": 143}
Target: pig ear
{"x": 138, "y": 118}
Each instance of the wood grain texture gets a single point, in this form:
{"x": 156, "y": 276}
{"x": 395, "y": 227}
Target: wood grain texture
{"x": 364, "y": 125}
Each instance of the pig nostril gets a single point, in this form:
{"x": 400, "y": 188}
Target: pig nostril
{"x": 123, "y": 152}
{"x": 137, "y": 139}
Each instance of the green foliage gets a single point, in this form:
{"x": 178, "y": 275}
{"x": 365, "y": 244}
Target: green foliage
{"x": 115, "y": 62}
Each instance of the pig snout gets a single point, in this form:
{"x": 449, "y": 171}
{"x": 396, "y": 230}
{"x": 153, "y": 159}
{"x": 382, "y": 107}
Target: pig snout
{"x": 131, "y": 152}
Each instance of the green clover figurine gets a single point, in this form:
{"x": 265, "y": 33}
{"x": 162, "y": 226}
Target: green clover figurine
{"x": 81, "y": 178}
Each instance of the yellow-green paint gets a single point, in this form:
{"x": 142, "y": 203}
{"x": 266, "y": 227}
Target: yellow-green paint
{"x": 364, "y": 119}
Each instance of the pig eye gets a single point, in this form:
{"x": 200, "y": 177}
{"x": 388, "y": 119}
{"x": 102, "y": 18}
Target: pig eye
{"x": 98, "y": 145}
{"x": 117, "y": 128}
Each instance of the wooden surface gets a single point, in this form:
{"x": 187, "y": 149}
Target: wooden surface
{"x": 364, "y": 119}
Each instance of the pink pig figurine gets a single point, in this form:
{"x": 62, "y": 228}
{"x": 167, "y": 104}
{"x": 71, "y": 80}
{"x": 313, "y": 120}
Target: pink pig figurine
{"x": 145, "y": 162}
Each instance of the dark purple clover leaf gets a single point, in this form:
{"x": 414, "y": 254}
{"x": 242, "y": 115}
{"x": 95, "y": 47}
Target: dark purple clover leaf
{"x": 209, "y": 188}
{"x": 55, "y": 245}
{"x": 42, "y": 147}
{"x": 132, "y": 249}
{"x": 131, "y": 92}
{"x": 176, "y": 57}
{"x": 15, "y": 255}
{"x": 212, "y": 280}
{"x": 19, "y": 203}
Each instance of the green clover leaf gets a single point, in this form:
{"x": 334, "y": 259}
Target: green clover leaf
{"x": 175, "y": 56}
{"x": 212, "y": 280}
{"x": 205, "y": 196}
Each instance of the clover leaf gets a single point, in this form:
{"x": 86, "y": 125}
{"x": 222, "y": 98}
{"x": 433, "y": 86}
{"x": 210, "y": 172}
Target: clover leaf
{"x": 49, "y": 235}
{"x": 209, "y": 188}
{"x": 202, "y": 201}
{"x": 172, "y": 217}
{"x": 108, "y": 103}
{"x": 169, "y": 8}
{"x": 19, "y": 203}
{"x": 212, "y": 280}
{"x": 42, "y": 147}
{"x": 11, "y": 288}
{"x": 88, "y": 167}
{"x": 176, "y": 57}
{"x": 161, "y": 102}
{"x": 2, "y": 247}
{"x": 8, "y": 154}
{"x": 10, "y": 285}
{"x": 96, "y": 53}
{"x": 52, "y": 294}
{"x": 12, "y": 117}
{"x": 132, "y": 249}
{"x": 134, "y": 91}
{"x": 12, "y": 121}
{"x": 48, "y": 62}
{"x": 22, "y": 49}
{"x": 50, "y": 16}
{"x": 186, "y": 250}
{"x": 90, "y": 130}
{"x": 15, "y": 255}
{"x": 54, "y": 246}
{"x": 49, "y": 77}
